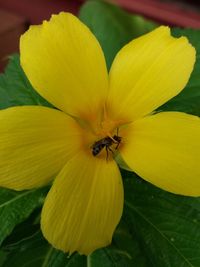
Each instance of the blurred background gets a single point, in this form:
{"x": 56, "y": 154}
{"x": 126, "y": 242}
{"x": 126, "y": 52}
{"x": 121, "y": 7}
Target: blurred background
{"x": 17, "y": 15}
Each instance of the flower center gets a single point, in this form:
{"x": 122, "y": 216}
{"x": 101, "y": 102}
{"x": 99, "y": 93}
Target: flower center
{"x": 102, "y": 136}
{"x": 107, "y": 139}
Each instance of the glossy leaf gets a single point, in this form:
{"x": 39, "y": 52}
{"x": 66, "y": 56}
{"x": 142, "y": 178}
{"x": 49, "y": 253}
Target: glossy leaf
{"x": 124, "y": 251}
{"x": 33, "y": 250}
{"x": 167, "y": 226}
{"x": 16, "y": 207}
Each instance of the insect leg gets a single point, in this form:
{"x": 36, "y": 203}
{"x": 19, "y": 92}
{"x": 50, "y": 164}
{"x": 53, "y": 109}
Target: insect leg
{"x": 106, "y": 153}
{"x": 117, "y": 146}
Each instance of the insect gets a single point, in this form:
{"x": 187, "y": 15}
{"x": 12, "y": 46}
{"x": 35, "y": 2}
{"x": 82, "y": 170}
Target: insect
{"x": 106, "y": 142}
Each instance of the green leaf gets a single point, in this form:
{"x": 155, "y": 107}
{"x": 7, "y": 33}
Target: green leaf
{"x": 19, "y": 252}
{"x": 15, "y": 207}
{"x": 35, "y": 251}
{"x": 166, "y": 226}
{"x": 31, "y": 251}
{"x": 112, "y": 26}
{"x": 124, "y": 251}
{"x": 189, "y": 99}
{"x": 15, "y": 89}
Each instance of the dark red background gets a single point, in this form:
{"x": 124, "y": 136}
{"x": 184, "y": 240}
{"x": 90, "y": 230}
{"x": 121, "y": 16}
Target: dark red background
{"x": 16, "y": 15}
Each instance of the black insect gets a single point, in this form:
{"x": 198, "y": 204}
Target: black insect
{"x": 106, "y": 142}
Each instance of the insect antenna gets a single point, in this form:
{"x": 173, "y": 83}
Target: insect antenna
{"x": 117, "y": 131}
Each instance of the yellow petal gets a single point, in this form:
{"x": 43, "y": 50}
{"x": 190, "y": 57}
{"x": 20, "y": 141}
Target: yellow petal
{"x": 148, "y": 72}
{"x": 65, "y": 64}
{"x": 164, "y": 149}
{"x": 35, "y": 144}
{"x": 84, "y": 205}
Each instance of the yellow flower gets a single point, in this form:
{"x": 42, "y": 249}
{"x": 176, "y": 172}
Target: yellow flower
{"x": 66, "y": 65}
